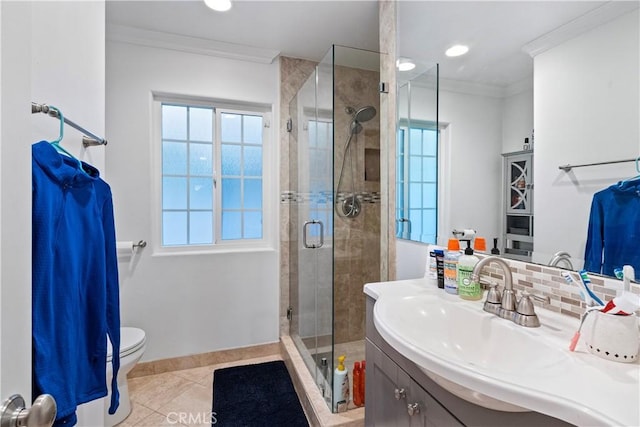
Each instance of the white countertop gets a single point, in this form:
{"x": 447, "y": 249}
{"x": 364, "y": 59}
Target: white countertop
{"x": 580, "y": 388}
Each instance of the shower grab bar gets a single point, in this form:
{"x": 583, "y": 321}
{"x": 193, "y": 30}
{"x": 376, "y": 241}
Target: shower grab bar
{"x": 304, "y": 234}
{"x": 88, "y": 139}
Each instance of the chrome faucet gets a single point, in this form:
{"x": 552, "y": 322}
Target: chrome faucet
{"x": 561, "y": 256}
{"x": 506, "y": 306}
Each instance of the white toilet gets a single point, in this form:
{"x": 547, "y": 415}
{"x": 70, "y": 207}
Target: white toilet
{"x": 96, "y": 412}
{"x": 132, "y": 346}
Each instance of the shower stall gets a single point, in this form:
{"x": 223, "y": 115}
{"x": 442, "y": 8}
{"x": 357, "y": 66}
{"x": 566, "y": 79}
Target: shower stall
{"x": 334, "y": 209}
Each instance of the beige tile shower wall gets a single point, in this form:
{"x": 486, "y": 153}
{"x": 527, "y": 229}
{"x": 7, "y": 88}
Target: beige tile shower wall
{"x": 356, "y": 240}
{"x": 293, "y": 73}
{"x": 547, "y": 281}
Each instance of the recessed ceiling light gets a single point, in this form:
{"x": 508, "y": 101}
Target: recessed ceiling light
{"x": 218, "y": 5}
{"x": 457, "y": 50}
{"x": 405, "y": 64}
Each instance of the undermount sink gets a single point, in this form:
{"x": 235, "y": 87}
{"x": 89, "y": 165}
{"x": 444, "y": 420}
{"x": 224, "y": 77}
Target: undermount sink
{"x": 452, "y": 332}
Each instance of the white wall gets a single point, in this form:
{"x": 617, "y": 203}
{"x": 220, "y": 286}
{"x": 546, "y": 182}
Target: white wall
{"x": 50, "y": 53}
{"x": 187, "y": 304}
{"x": 586, "y": 94}
{"x": 517, "y": 119}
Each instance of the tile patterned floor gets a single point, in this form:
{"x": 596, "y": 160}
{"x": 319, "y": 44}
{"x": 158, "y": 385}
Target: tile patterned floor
{"x": 178, "y": 398}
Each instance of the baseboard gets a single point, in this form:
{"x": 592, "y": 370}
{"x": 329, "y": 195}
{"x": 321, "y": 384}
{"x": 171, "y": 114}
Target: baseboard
{"x": 204, "y": 359}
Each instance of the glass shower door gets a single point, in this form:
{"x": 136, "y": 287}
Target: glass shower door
{"x": 311, "y": 292}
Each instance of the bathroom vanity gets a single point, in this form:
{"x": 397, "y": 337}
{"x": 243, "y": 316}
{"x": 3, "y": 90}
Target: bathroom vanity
{"x": 407, "y": 384}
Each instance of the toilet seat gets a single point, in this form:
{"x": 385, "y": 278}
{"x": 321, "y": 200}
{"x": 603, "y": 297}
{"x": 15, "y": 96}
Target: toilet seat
{"x": 131, "y": 340}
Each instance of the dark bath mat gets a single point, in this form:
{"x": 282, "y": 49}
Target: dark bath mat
{"x": 256, "y": 395}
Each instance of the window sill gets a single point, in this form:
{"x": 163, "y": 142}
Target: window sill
{"x": 212, "y": 250}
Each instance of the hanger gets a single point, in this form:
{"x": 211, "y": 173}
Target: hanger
{"x": 635, "y": 178}
{"x": 56, "y": 143}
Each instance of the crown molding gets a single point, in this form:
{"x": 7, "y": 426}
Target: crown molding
{"x": 523, "y": 85}
{"x": 592, "y": 19}
{"x": 200, "y": 46}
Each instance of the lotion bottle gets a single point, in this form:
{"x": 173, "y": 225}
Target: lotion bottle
{"x": 451, "y": 257}
{"x": 340, "y": 386}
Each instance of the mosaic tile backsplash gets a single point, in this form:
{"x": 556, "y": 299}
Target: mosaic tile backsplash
{"x": 547, "y": 281}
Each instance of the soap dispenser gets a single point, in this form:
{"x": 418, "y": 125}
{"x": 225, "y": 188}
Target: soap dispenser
{"x": 466, "y": 288}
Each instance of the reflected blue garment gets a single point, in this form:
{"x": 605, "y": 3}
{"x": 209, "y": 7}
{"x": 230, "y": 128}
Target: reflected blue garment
{"x": 75, "y": 283}
{"x": 613, "y": 237}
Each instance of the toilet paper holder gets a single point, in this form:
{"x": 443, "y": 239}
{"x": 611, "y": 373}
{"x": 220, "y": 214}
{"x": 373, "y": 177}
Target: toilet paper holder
{"x": 467, "y": 233}
{"x": 141, "y": 244}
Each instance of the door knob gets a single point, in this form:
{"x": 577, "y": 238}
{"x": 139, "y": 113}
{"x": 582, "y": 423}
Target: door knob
{"x": 13, "y": 412}
{"x": 399, "y": 393}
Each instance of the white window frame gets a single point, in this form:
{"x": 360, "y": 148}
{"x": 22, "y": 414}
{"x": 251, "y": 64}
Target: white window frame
{"x": 269, "y": 176}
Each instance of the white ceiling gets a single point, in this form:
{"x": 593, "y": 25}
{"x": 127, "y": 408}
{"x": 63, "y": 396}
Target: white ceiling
{"x": 300, "y": 29}
{"x": 494, "y": 30}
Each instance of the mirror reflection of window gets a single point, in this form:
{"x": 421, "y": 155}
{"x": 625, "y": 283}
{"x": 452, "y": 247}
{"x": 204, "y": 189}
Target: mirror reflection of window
{"x": 417, "y": 182}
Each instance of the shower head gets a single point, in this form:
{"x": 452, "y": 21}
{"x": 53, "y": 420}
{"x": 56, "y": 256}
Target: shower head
{"x": 365, "y": 114}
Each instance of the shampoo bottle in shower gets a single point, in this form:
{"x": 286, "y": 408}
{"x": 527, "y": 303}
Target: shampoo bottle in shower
{"x": 340, "y": 387}
{"x": 357, "y": 384}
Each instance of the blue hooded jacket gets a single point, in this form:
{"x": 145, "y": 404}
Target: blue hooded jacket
{"x": 613, "y": 237}
{"x": 75, "y": 283}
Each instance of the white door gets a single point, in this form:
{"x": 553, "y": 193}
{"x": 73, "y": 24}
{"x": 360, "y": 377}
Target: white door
{"x": 15, "y": 200}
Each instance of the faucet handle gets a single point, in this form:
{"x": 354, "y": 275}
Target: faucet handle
{"x": 493, "y": 296}
{"x": 525, "y": 305}
{"x": 525, "y": 314}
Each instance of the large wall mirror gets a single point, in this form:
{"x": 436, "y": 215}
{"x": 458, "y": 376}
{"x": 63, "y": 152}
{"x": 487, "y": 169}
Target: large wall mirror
{"x": 553, "y": 83}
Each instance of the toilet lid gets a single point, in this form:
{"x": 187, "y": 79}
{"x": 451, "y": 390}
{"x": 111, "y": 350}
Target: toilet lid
{"x": 131, "y": 339}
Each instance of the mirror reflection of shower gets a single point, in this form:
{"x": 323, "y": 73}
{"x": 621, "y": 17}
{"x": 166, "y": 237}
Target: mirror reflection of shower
{"x": 349, "y": 205}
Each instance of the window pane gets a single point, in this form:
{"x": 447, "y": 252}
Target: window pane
{"x": 201, "y": 193}
{"x": 231, "y": 127}
{"x": 429, "y": 222}
{"x": 201, "y": 159}
{"x": 429, "y": 169}
{"x": 253, "y": 194}
{"x": 415, "y": 199}
{"x": 174, "y": 228}
{"x": 230, "y": 159}
{"x": 415, "y": 216}
{"x": 231, "y": 225}
{"x": 253, "y": 225}
{"x": 200, "y": 228}
{"x": 312, "y": 133}
{"x": 252, "y": 126}
{"x": 174, "y": 193}
{"x": 415, "y": 169}
{"x": 430, "y": 142}
{"x": 415, "y": 142}
{"x": 400, "y": 142}
{"x": 231, "y": 193}
{"x": 201, "y": 124}
{"x": 174, "y": 122}
{"x": 252, "y": 161}
{"x": 429, "y": 196}
{"x": 174, "y": 158}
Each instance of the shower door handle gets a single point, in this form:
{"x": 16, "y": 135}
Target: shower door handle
{"x": 304, "y": 234}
